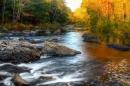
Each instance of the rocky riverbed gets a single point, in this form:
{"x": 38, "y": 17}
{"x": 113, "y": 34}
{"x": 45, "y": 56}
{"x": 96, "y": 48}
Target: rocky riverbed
{"x": 63, "y": 60}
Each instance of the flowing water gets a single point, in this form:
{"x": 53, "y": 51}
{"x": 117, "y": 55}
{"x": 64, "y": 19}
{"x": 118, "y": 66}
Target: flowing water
{"x": 97, "y": 61}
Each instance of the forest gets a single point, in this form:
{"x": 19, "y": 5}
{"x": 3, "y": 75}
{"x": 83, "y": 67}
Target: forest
{"x": 108, "y": 14}
{"x": 25, "y": 14}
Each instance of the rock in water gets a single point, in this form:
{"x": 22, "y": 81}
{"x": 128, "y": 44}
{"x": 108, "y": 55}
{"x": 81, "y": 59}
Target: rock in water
{"x": 55, "y": 49}
{"x": 11, "y": 68}
{"x": 119, "y": 47}
{"x": 18, "y": 81}
{"x": 18, "y": 51}
{"x": 88, "y": 37}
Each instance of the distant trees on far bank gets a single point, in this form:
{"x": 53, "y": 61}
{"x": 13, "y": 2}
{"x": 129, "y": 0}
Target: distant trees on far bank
{"x": 107, "y": 16}
{"x": 33, "y": 11}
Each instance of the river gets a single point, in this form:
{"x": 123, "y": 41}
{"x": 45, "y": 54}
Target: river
{"x": 97, "y": 65}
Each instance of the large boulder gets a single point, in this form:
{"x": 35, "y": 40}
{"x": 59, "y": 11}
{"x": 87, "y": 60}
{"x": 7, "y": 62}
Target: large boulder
{"x": 18, "y": 51}
{"x": 55, "y": 49}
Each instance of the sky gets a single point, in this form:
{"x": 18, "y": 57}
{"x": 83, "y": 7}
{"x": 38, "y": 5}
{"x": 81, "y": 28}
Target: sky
{"x": 73, "y": 4}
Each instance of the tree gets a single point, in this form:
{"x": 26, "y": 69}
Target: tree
{"x": 94, "y": 17}
{"x": 9, "y": 10}
{"x": 47, "y": 11}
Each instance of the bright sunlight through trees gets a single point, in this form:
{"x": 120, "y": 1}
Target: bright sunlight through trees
{"x": 73, "y": 4}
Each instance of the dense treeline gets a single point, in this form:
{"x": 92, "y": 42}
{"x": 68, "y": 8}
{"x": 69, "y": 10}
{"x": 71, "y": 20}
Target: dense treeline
{"x": 33, "y": 12}
{"x": 108, "y": 16}
{"x": 108, "y": 20}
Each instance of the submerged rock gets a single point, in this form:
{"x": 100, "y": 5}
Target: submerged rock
{"x": 81, "y": 83}
{"x": 54, "y": 39}
{"x": 43, "y": 33}
{"x": 55, "y": 49}
{"x": 18, "y": 51}
{"x": 41, "y": 79}
{"x": 13, "y": 68}
{"x": 49, "y": 32}
{"x": 18, "y": 81}
{"x": 2, "y": 84}
{"x": 34, "y": 41}
{"x": 55, "y": 84}
{"x": 87, "y": 37}
{"x": 2, "y": 77}
{"x": 119, "y": 47}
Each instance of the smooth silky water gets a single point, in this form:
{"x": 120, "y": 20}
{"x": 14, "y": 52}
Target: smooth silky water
{"x": 91, "y": 64}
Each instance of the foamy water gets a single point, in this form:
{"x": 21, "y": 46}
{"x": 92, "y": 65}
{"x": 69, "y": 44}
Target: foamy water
{"x": 61, "y": 69}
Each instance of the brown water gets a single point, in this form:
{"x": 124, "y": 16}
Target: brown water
{"x": 107, "y": 66}
{"x": 115, "y": 65}
{"x": 103, "y": 53}
{"x": 98, "y": 65}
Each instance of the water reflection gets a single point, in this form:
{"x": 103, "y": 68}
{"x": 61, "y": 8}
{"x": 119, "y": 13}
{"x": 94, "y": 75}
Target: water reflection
{"x": 102, "y": 52}
{"x": 114, "y": 68}
{"x": 115, "y": 39}
{"x": 97, "y": 64}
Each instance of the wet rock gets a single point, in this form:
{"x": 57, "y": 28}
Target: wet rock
{"x": 43, "y": 33}
{"x": 18, "y": 51}
{"x": 115, "y": 84}
{"x": 69, "y": 28}
{"x": 34, "y": 41}
{"x": 56, "y": 84}
{"x": 13, "y": 68}
{"x": 102, "y": 83}
{"x": 78, "y": 84}
{"x": 2, "y": 84}
{"x": 93, "y": 83}
{"x": 19, "y": 33}
{"x": 87, "y": 37}
{"x": 41, "y": 79}
{"x": 55, "y": 49}
{"x": 2, "y": 77}
{"x": 46, "y": 78}
{"x": 18, "y": 81}
{"x": 15, "y": 33}
{"x": 39, "y": 47}
{"x": 50, "y": 31}
{"x": 57, "y": 32}
{"x": 119, "y": 47}
{"x": 61, "y": 84}
{"x": 54, "y": 39}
